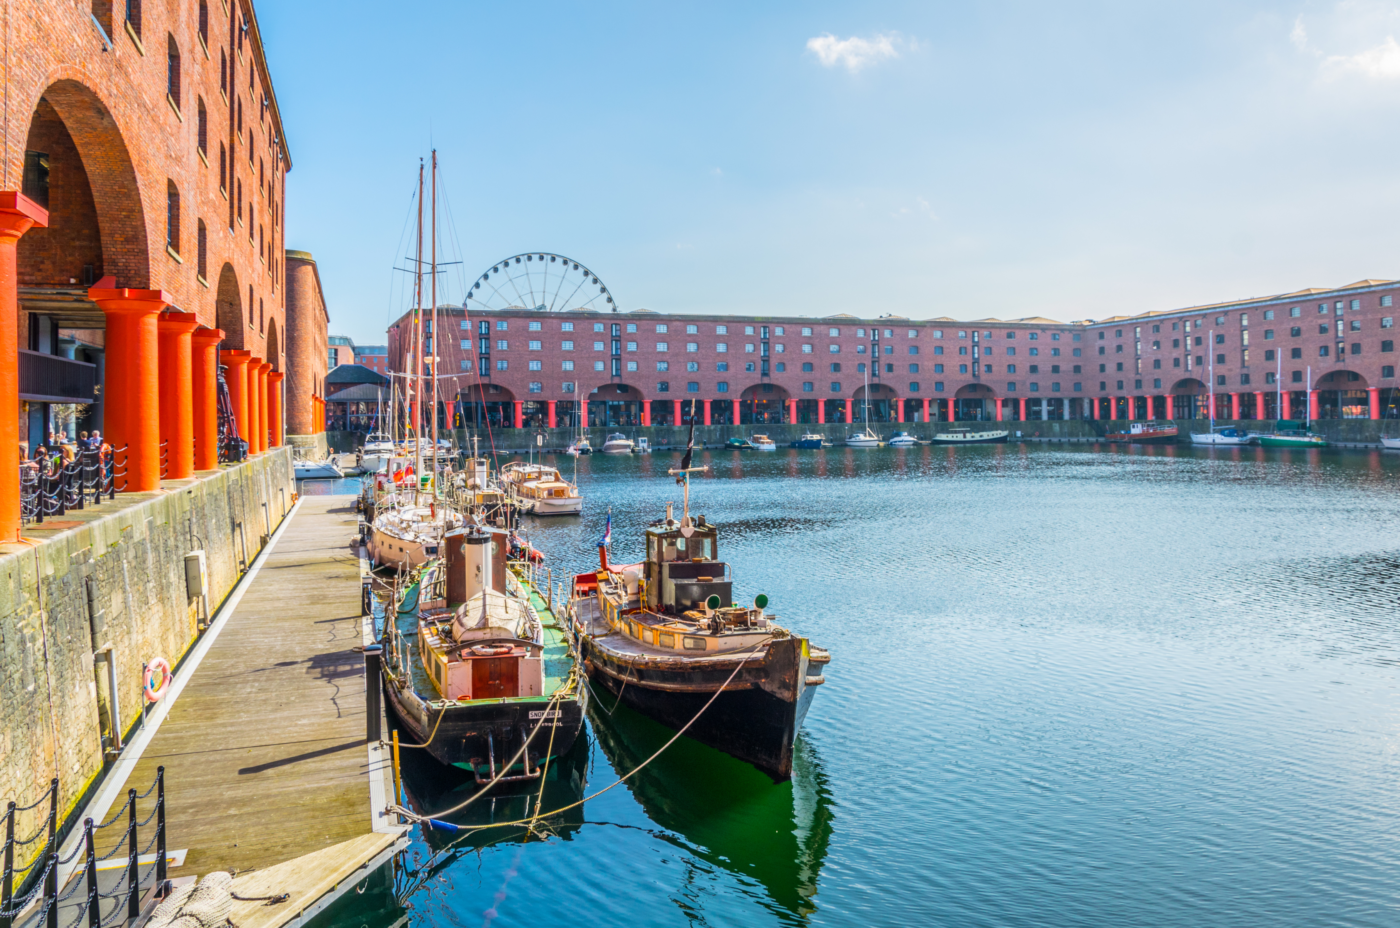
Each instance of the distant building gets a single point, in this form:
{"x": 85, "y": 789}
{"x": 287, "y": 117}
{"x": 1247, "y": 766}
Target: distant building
{"x": 374, "y": 357}
{"x": 339, "y": 350}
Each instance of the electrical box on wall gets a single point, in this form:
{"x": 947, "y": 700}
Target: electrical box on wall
{"x": 196, "y": 575}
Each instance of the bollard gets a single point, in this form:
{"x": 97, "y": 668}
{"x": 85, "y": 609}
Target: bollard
{"x": 373, "y": 655}
{"x": 5, "y": 882}
{"x": 51, "y": 890}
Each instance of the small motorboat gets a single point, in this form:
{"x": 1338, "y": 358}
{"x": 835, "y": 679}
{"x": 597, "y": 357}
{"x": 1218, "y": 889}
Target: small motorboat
{"x": 762, "y": 443}
{"x": 312, "y": 470}
{"x": 1228, "y": 436}
{"x": 738, "y": 444}
{"x": 378, "y": 448}
{"x": 810, "y": 440}
{"x": 618, "y": 443}
{"x": 643, "y": 446}
{"x": 966, "y": 436}
{"x": 1145, "y": 433}
{"x": 865, "y": 439}
{"x": 579, "y": 447}
{"x": 902, "y": 440}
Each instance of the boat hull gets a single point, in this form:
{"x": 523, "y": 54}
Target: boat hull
{"x": 386, "y": 550}
{"x": 617, "y": 448}
{"x": 977, "y": 438}
{"x": 1285, "y": 441}
{"x": 567, "y": 506}
{"x": 806, "y": 443}
{"x": 324, "y": 470}
{"x": 472, "y": 733}
{"x": 755, "y": 719}
{"x": 1390, "y": 444}
{"x": 1213, "y": 439}
{"x": 1148, "y": 438}
{"x": 862, "y": 443}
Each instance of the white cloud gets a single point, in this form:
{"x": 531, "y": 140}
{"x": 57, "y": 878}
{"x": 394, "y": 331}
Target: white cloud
{"x": 1381, "y": 62}
{"x": 1299, "y": 35}
{"x": 855, "y": 53}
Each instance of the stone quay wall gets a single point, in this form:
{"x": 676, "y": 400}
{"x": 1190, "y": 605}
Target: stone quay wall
{"x": 118, "y": 581}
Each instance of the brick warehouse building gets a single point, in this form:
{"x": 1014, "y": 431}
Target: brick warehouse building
{"x": 143, "y": 204}
{"x": 529, "y": 368}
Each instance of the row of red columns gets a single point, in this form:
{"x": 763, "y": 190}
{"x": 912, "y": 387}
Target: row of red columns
{"x": 161, "y": 380}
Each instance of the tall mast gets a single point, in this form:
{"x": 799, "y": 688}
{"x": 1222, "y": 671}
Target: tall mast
{"x": 1210, "y": 372}
{"x": 417, "y": 393}
{"x": 434, "y": 413}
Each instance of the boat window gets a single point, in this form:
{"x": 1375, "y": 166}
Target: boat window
{"x": 680, "y": 544}
{"x": 705, "y": 548}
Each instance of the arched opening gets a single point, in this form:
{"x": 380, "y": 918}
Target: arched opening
{"x": 274, "y": 353}
{"x": 484, "y": 405}
{"x": 977, "y": 402}
{"x": 229, "y": 308}
{"x": 880, "y": 407}
{"x": 77, "y": 162}
{"x": 1190, "y": 399}
{"x": 763, "y": 404}
{"x": 615, "y": 405}
{"x": 1342, "y": 395}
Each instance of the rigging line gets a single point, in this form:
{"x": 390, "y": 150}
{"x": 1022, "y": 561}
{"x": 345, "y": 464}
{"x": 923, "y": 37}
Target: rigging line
{"x": 456, "y": 242}
{"x": 403, "y": 234}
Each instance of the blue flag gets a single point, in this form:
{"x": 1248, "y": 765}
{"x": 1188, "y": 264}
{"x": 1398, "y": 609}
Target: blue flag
{"x": 606, "y": 540}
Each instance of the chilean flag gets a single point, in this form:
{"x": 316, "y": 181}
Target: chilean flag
{"x": 606, "y": 540}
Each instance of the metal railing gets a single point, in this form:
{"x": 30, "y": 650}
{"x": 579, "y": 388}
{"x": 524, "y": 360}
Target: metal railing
{"x": 47, "y": 490}
{"x": 39, "y": 880}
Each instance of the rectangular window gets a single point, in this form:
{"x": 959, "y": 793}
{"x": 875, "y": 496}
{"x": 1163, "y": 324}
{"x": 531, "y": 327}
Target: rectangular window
{"x": 1268, "y": 314}
{"x": 535, "y": 366}
{"x": 500, "y": 365}
{"x": 598, "y": 346}
{"x": 1387, "y": 346}
{"x": 631, "y": 365}
{"x": 1295, "y": 311}
{"x": 807, "y": 386}
{"x": 962, "y": 368}
{"x": 568, "y": 365}
{"x": 568, "y": 388}
{"x": 692, "y": 387}
{"x": 598, "y": 365}
{"x": 465, "y": 344}
{"x": 721, "y": 330}
{"x": 1387, "y": 370}
{"x": 722, "y": 386}
{"x": 1322, "y": 352}
{"x": 631, "y": 346}
{"x": 722, "y": 366}
{"x": 806, "y": 331}
{"x": 536, "y": 387}
{"x": 778, "y": 348}
{"x": 781, "y": 367}
{"x": 835, "y": 386}
{"x": 534, "y": 346}
{"x": 692, "y": 365}
{"x": 806, "y": 349}
{"x": 631, "y": 327}
{"x": 663, "y": 365}
{"x": 501, "y": 344}
{"x": 913, "y": 368}
{"x": 534, "y": 325}
{"x": 662, "y": 346}
{"x": 1010, "y": 368}
{"x": 778, "y": 330}
{"x": 501, "y": 326}
{"x": 833, "y": 332}
{"x": 835, "y": 349}
{"x": 661, "y": 328}
{"x": 913, "y": 386}
{"x": 565, "y": 327}
{"x": 1035, "y": 387}
{"x": 597, "y": 327}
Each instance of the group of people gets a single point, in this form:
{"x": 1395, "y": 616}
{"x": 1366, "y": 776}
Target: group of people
{"x": 60, "y": 451}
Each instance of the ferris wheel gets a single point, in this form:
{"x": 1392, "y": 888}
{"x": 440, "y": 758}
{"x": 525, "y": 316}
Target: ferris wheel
{"x": 539, "y": 281}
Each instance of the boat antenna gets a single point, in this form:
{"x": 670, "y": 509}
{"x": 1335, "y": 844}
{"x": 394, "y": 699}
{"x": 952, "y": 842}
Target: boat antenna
{"x": 436, "y": 336}
{"x": 682, "y": 475}
{"x": 1278, "y": 388}
{"x": 1210, "y": 372}
{"x": 1307, "y": 403}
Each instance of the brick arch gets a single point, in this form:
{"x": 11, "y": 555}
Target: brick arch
{"x": 609, "y": 391}
{"x": 975, "y": 391}
{"x": 273, "y": 348}
{"x": 111, "y": 176}
{"x": 1189, "y": 386}
{"x": 229, "y": 303}
{"x": 778, "y": 394}
{"x": 1341, "y": 380}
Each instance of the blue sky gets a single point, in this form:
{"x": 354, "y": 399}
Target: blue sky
{"x": 1072, "y": 160}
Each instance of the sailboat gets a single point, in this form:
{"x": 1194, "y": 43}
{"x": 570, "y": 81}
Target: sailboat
{"x": 1223, "y": 436}
{"x": 867, "y": 438}
{"x": 412, "y": 518}
{"x": 1291, "y": 433}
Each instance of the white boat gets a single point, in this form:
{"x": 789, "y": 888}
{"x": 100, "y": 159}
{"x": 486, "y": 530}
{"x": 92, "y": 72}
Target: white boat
{"x": 406, "y": 534}
{"x": 966, "y": 436}
{"x": 377, "y": 449}
{"x": 866, "y": 439}
{"x": 902, "y": 440}
{"x": 618, "y": 443}
{"x": 1228, "y": 436}
{"x": 579, "y": 447}
{"x": 810, "y": 440}
{"x": 310, "y": 470}
{"x": 762, "y": 443}
{"x": 1390, "y": 444}
{"x": 540, "y": 490}
{"x": 643, "y": 446}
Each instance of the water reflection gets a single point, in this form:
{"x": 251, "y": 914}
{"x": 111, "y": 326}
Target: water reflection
{"x": 731, "y": 815}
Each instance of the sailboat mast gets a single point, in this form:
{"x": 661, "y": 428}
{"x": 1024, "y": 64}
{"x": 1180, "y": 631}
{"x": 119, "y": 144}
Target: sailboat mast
{"x": 435, "y": 337}
{"x": 417, "y": 394}
{"x": 1210, "y": 372}
{"x": 1278, "y": 388}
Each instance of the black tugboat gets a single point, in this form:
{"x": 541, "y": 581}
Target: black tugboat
{"x": 664, "y": 636}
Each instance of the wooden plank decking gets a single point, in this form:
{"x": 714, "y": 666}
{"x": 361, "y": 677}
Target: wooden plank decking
{"x": 264, "y": 752}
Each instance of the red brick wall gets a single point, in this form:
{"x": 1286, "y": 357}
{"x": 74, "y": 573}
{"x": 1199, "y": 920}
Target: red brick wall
{"x": 63, "y": 79}
{"x": 306, "y": 342}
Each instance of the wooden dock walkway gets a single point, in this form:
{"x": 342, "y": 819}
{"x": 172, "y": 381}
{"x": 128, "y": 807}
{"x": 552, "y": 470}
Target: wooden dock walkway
{"x": 266, "y": 763}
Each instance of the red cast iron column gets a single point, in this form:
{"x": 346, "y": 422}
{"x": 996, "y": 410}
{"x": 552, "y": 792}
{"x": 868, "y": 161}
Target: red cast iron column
{"x": 176, "y": 392}
{"x": 131, "y": 401}
{"x": 18, "y": 214}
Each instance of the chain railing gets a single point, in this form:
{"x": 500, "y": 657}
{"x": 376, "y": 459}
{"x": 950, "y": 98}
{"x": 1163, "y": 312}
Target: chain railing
{"x": 46, "y": 490}
{"x": 39, "y": 879}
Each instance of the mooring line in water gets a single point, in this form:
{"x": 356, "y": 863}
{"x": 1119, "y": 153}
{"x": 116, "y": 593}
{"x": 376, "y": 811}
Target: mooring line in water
{"x": 573, "y": 805}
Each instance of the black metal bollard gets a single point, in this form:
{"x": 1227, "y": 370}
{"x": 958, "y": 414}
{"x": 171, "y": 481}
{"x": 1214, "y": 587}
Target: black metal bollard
{"x": 51, "y": 889}
{"x": 133, "y": 874}
{"x": 373, "y": 657}
{"x": 94, "y": 901}
{"x": 160, "y": 826}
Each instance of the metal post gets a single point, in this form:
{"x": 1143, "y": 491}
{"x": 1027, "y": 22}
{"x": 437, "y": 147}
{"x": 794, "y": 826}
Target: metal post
{"x": 373, "y": 656}
{"x": 51, "y": 890}
{"x": 94, "y": 901}
{"x": 6, "y": 889}
{"x": 53, "y": 810}
{"x": 133, "y": 874}
{"x": 160, "y": 826}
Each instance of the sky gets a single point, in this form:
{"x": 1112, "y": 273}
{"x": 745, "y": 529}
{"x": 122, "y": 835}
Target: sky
{"x": 1074, "y": 160}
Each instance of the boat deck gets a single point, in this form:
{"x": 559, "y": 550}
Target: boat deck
{"x": 264, "y": 751}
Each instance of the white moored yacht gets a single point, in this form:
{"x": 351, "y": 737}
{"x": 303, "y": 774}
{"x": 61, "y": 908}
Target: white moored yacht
{"x": 540, "y": 490}
{"x": 618, "y": 443}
